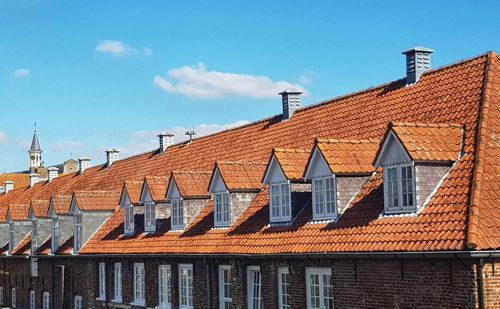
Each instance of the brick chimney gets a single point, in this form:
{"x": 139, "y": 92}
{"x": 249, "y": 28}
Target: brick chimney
{"x": 112, "y": 155}
{"x": 418, "y": 61}
{"x": 9, "y": 186}
{"x": 83, "y": 164}
{"x": 166, "y": 139}
{"x": 34, "y": 179}
{"x": 290, "y": 99}
{"x": 53, "y": 173}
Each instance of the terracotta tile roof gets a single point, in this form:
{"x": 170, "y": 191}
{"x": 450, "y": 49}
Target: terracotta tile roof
{"x": 97, "y": 200}
{"x": 157, "y": 187}
{"x": 19, "y": 212}
{"x": 191, "y": 184}
{"x": 133, "y": 188}
{"x": 20, "y": 180}
{"x": 241, "y": 175}
{"x": 348, "y": 156}
{"x": 40, "y": 208}
{"x": 451, "y": 94}
{"x": 429, "y": 141}
{"x": 484, "y": 226}
{"x": 292, "y": 161}
{"x": 62, "y": 204}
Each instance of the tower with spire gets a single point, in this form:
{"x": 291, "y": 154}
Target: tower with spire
{"x": 35, "y": 153}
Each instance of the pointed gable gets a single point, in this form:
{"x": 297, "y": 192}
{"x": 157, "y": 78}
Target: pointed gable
{"x": 60, "y": 205}
{"x": 39, "y": 209}
{"x": 288, "y": 163}
{"x": 189, "y": 184}
{"x": 18, "y": 212}
{"x": 94, "y": 201}
{"x": 237, "y": 176}
{"x": 131, "y": 192}
{"x": 154, "y": 189}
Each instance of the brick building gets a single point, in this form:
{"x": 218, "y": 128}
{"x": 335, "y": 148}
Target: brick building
{"x": 385, "y": 198}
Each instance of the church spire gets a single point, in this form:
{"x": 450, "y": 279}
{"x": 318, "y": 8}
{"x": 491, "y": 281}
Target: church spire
{"x": 35, "y": 152}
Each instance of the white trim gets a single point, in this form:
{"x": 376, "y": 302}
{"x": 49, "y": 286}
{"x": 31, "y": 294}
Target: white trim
{"x": 189, "y": 299}
{"x": 118, "y": 283}
{"x": 177, "y": 214}
{"x": 102, "y": 281}
{"x": 283, "y": 271}
{"x": 272, "y": 165}
{"x": 128, "y": 219}
{"x": 382, "y": 153}
{"x": 214, "y": 180}
{"x": 251, "y": 286}
{"x": 400, "y": 209}
{"x": 219, "y": 197}
{"x": 78, "y": 302}
{"x": 280, "y": 206}
{"x": 164, "y": 286}
{"x": 224, "y": 299}
{"x": 320, "y": 272}
{"x": 54, "y": 238}
{"x": 139, "y": 286}
{"x": 46, "y": 300}
{"x": 150, "y": 217}
{"x": 313, "y": 161}
{"x": 77, "y": 232}
{"x": 325, "y": 215}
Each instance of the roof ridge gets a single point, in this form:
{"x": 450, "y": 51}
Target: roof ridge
{"x": 347, "y": 141}
{"x": 283, "y": 149}
{"x": 190, "y": 172}
{"x": 426, "y": 124}
{"x": 472, "y": 234}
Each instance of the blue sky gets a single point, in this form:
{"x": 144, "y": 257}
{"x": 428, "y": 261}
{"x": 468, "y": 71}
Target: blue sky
{"x": 101, "y": 74}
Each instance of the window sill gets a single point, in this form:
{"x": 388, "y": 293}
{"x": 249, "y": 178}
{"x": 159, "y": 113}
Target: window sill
{"x": 140, "y": 303}
{"x": 117, "y": 300}
{"x": 101, "y": 299}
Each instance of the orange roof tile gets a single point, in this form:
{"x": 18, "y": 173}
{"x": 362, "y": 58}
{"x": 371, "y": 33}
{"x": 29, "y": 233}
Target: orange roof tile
{"x": 292, "y": 161}
{"x": 429, "y": 141}
{"x": 19, "y": 212}
{"x": 157, "y": 187}
{"x": 241, "y": 175}
{"x": 61, "y": 204}
{"x": 40, "y": 208}
{"x": 348, "y": 156}
{"x": 97, "y": 200}
{"x": 191, "y": 184}
{"x": 20, "y": 180}
{"x": 133, "y": 188}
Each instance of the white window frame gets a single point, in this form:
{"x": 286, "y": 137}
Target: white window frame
{"x": 398, "y": 182}
{"x": 34, "y": 266}
{"x": 32, "y": 299}
{"x": 284, "y": 288}
{"x": 34, "y": 236}
{"x": 324, "y": 197}
{"x": 11, "y": 238}
{"x": 139, "y": 285}
{"x": 177, "y": 214}
{"x": 117, "y": 285}
{"x": 253, "y": 295}
{"x": 128, "y": 218}
{"x": 223, "y": 284}
{"x": 102, "y": 281}
{"x": 222, "y": 209}
{"x": 46, "y": 300}
{"x": 150, "y": 217}
{"x": 280, "y": 202}
{"x": 13, "y": 300}
{"x": 78, "y": 302}
{"x": 164, "y": 286}
{"x": 321, "y": 272}
{"x": 186, "y": 299}
{"x": 78, "y": 232}
{"x": 54, "y": 222}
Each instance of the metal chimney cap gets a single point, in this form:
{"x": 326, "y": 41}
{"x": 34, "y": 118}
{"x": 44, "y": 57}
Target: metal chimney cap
{"x": 84, "y": 159}
{"x": 34, "y": 175}
{"x": 165, "y": 133}
{"x": 9, "y": 182}
{"x": 418, "y": 49}
{"x": 290, "y": 90}
{"x": 52, "y": 168}
{"x": 111, "y": 150}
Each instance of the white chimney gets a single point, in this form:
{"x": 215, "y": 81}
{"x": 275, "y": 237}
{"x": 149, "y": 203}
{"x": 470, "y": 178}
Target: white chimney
{"x": 53, "y": 173}
{"x": 9, "y": 186}
{"x": 112, "y": 155}
{"x": 166, "y": 140}
{"x": 418, "y": 61}
{"x": 83, "y": 164}
{"x": 34, "y": 179}
{"x": 290, "y": 98}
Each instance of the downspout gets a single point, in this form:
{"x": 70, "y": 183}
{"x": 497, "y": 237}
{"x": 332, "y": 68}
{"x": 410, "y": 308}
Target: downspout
{"x": 480, "y": 283}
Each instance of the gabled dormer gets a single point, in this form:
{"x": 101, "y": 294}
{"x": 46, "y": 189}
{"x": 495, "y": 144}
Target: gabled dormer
{"x": 131, "y": 192}
{"x": 152, "y": 199}
{"x": 89, "y": 210}
{"x": 337, "y": 170}
{"x": 288, "y": 193}
{"x": 19, "y": 226}
{"x": 234, "y": 185}
{"x": 187, "y": 195}
{"x": 415, "y": 158}
{"x": 40, "y": 223}
{"x": 61, "y": 221}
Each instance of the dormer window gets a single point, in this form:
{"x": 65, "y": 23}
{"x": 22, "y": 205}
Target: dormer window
{"x": 177, "y": 215}
{"x": 129, "y": 219}
{"x": 78, "y": 234}
{"x": 281, "y": 208}
{"x": 11, "y": 237}
{"x": 324, "y": 198}
{"x": 34, "y": 236}
{"x": 399, "y": 191}
{"x": 222, "y": 209}
{"x": 55, "y": 233}
{"x": 150, "y": 217}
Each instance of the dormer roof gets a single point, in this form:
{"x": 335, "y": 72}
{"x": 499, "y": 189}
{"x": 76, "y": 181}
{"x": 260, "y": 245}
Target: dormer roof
{"x": 239, "y": 175}
{"x": 291, "y": 161}
{"x": 39, "y": 208}
{"x": 440, "y": 142}
{"x": 18, "y": 212}
{"x": 190, "y": 184}
{"x": 60, "y": 204}
{"x": 95, "y": 200}
{"x": 132, "y": 188}
{"x": 157, "y": 187}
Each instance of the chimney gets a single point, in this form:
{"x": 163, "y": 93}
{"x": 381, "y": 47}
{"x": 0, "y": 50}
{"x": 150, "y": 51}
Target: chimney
{"x": 418, "y": 61}
{"x": 112, "y": 155}
{"x": 9, "y": 186}
{"x": 34, "y": 179}
{"x": 166, "y": 140}
{"x": 53, "y": 173}
{"x": 290, "y": 99}
{"x": 83, "y": 164}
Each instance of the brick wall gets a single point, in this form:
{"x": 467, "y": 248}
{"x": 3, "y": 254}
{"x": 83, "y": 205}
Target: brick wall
{"x": 427, "y": 177}
{"x": 347, "y": 187}
{"x": 239, "y": 203}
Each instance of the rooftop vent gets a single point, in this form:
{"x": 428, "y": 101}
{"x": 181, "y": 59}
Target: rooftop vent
{"x": 166, "y": 139}
{"x": 34, "y": 179}
{"x": 418, "y": 61}
{"x": 9, "y": 186}
{"x": 83, "y": 164}
{"x": 191, "y": 134}
{"x": 53, "y": 173}
{"x": 112, "y": 155}
{"x": 290, "y": 99}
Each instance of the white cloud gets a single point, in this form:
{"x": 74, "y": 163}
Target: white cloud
{"x": 3, "y": 137}
{"x": 20, "y": 73}
{"x": 198, "y": 82}
{"x": 119, "y": 49}
{"x": 141, "y": 141}
{"x": 62, "y": 146}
